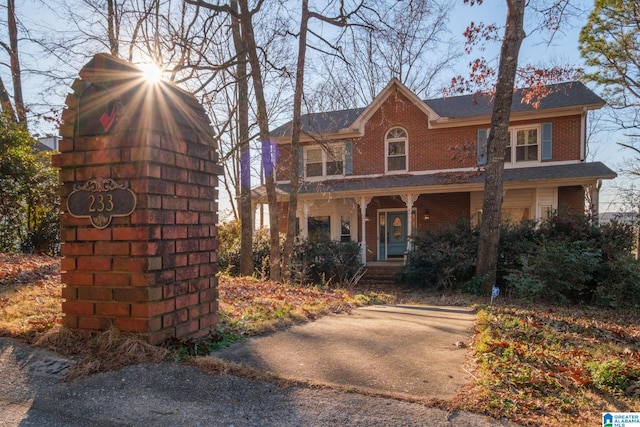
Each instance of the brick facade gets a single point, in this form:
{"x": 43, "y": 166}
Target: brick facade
{"x": 433, "y": 149}
{"x": 154, "y": 271}
{"x": 443, "y": 173}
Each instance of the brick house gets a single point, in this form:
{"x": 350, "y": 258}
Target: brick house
{"x": 380, "y": 174}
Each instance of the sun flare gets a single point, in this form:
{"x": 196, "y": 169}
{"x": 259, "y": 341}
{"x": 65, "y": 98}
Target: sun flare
{"x": 152, "y": 73}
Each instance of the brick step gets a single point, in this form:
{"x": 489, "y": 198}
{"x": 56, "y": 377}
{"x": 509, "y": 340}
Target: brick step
{"x": 380, "y": 275}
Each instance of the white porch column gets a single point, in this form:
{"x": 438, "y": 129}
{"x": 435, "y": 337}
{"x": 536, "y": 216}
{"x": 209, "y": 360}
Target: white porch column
{"x": 305, "y": 216}
{"x": 595, "y": 199}
{"x": 409, "y": 200}
{"x": 364, "y": 201}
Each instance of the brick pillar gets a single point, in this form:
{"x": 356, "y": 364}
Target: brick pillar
{"x": 150, "y": 267}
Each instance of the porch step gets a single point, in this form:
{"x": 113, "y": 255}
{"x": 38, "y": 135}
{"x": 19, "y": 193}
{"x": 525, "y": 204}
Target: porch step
{"x": 381, "y": 274}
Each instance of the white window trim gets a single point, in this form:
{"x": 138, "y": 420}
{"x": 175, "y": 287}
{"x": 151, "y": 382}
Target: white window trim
{"x": 323, "y": 149}
{"x": 386, "y": 151}
{"x": 512, "y": 138}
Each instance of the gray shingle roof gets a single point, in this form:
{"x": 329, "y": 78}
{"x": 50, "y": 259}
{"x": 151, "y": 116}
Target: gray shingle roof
{"x": 315, "y": 123}
{"x": 593, "y": 170}
{"x": 562, "y": 95}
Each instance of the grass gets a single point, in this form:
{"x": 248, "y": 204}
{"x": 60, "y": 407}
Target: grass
{"x": 543, "y": 366}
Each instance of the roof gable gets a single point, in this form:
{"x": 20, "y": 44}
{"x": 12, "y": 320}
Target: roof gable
{"x": 561, "y": 96}
{"x": 391, "y": 88}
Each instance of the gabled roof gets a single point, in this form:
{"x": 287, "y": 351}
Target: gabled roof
{"x": 569, "y": 173}
{"x": 562, "y": 95}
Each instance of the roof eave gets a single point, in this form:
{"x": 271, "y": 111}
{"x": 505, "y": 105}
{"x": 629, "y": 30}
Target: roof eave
{"x": 316, "y": 137}
{"x": 448, "y": 122}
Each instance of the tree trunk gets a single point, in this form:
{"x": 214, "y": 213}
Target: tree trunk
{"x": 263, "y": 125}
{"x": 489, "y": 239}
{"x": 16, "y": 75}
{"x": 5, "y": 104}
{"x": 295, "y": 140}
{"x": 112, "y": 27}
{"x": 244, "y": 205}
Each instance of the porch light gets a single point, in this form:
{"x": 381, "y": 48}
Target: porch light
{"x": 426, "y": 215}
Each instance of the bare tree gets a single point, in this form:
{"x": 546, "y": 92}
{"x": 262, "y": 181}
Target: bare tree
{"x": 553, "y": 13}
{"x": 246, "y": 213}
{"x": 498, "y": 135}
{"x": 18, "y": 112}
{"x": 397, "y": 40}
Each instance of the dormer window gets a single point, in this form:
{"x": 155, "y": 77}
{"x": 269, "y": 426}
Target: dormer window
{"x": 396, "y": 150}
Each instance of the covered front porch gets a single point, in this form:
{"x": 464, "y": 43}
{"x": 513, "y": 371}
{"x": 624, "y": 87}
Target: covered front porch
{"x": 385, "y": 214}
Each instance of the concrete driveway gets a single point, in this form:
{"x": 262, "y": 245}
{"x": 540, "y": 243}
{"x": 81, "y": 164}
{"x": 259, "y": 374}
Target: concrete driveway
{"x": 399, "y": 349}
{"x": 403, "y": 349}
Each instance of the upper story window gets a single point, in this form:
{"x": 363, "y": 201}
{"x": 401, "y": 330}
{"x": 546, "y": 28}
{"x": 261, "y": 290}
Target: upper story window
{"x": 523, "y": 146}
{"x": 396, "y": 150}
{"x": 324, "y": 161}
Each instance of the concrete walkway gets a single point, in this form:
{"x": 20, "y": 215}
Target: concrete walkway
{"x": 398, "y": 349}
{"x": 405, "y": 349}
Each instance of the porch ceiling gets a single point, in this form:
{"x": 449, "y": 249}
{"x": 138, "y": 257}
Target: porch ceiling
{"x": 566, "y": 174}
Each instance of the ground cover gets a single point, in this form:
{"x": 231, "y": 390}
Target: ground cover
{"x": 542, "y": 365}
{"x": 555, "y": 366}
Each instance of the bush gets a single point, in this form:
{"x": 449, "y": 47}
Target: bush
{"x": 618, "y": 283}
{"x": 29, "y": 201}
{"x": 326, "y": 262}
{"x": 564, "y": 259}
{"x": 517, "y": 240}
{"x": 320, "y": 263}
{"x": 557, "y": 270}
{"x": 229, "y": 252}
{"x": 442, "y": 259}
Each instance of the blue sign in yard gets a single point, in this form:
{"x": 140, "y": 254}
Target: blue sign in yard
{"x": 495, "y": 291}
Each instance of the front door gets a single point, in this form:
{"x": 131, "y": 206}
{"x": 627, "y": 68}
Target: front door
{"x": 393, "y": 234}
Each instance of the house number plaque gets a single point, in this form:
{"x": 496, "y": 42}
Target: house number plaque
{"x": 100, "y": 200}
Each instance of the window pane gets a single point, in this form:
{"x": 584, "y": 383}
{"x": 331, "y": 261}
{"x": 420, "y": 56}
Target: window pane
{"x": 314, "y": 162}
{"x": 396, "y": 133}
{"x": 319, "y": 228}
{"x": 527, "y": 153}
{"x": 314, "y": 169}
{"x": 396, "y": 163}
{"x": 396, "y": 148}
{"x": 526, "y": 145}
{"x": 335, "y": 168}
{"x": 527, "y": 137}
{"x": 345, "y": 228}
{"x": 314, "y": 156}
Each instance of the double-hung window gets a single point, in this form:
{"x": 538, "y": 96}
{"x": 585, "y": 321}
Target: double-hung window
{"x": 533, "y": 143}
{"x": 324, "y": 161}
{"x": 523, "y": 145}
{"x": 396, "y": 150}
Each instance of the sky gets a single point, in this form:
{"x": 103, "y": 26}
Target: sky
{"x": 563, "y": 49}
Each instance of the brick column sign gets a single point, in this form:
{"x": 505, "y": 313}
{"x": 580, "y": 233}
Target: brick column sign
{"x": 138, "y": 168}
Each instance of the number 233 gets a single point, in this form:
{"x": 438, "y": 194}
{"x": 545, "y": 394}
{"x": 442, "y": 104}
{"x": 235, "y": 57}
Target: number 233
{"x": 101, "y": 203}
